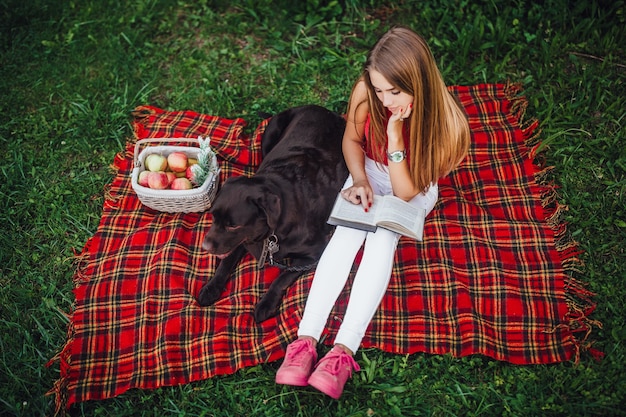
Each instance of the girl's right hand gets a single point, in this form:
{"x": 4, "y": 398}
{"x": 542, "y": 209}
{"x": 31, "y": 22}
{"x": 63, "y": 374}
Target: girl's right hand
{"x": 359, "y": 193}
{"x": 396, "y": 120}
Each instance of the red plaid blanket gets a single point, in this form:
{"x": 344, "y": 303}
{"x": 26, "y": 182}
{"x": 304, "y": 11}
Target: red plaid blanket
{"x": 493, "y": 275}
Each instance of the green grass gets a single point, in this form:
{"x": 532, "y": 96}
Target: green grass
{"x": 71, "y": 72}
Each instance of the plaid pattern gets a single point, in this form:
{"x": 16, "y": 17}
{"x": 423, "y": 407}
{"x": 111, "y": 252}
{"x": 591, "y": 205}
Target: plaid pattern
{"x": 491, "y": 277}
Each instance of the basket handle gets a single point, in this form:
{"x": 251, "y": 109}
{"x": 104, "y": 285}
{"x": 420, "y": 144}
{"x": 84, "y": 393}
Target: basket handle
{"x": 153, "y": 140}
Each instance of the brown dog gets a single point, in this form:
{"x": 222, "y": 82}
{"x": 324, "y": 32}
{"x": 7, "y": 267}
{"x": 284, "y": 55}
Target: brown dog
{"x": 279, "y": 215}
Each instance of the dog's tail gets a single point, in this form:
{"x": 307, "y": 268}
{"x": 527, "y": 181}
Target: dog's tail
{"x": 264, "y": 114}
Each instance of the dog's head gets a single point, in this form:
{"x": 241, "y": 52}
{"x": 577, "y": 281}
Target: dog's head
{"x": 244, "y": 211}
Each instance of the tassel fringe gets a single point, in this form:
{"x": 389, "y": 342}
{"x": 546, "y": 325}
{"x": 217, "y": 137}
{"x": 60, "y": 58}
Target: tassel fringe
{"x": 80, "y": 261}
{"x": 579, "y": 300}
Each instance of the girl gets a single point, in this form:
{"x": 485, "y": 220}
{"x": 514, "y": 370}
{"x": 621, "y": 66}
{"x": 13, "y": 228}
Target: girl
{"x": 415, "y": 132}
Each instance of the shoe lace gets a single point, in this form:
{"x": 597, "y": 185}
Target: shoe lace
{"x": 295, "y": 354}
{"x": 334, "y": 362}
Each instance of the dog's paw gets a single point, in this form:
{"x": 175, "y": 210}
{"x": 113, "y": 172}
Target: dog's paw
{"x": 265, "y": 309}
{"x": 208, "y": 295}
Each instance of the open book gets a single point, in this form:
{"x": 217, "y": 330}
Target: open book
{"x": 389, "y": 212}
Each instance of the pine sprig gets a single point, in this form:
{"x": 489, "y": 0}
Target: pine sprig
{"x": 207, "y": 164}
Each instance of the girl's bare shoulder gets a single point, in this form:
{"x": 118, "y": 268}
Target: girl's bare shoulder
{"x": 359, "y": 103}
{"x": 359, "y": 91}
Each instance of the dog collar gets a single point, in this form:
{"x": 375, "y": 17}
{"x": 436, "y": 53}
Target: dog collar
{"x": 270, "y": 247}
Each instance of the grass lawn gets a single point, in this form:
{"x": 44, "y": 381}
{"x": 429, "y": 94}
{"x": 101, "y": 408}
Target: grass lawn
{"x": 71, "y": 72}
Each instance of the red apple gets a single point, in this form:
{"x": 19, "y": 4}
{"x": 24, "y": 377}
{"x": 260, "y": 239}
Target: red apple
{"x": 143, "y": 178}
{"x": 170, "y": 177}
{"x": 158, "y": 180}
{"x": 181, "y": 184}
{"x": 177, "y": 161}
{"x": 155, "y": 162}
{"x": 189, "y": 173}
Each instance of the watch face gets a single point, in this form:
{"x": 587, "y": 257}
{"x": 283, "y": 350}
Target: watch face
{"x": 397, "y": 156}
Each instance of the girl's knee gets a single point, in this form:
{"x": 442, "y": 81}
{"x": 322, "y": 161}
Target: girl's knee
{"x": 383, "y": 238}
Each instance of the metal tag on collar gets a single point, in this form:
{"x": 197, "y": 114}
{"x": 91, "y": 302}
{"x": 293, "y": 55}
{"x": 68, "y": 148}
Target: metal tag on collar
{"x": 270, "y": 247}
{"x": 260, "y": 263}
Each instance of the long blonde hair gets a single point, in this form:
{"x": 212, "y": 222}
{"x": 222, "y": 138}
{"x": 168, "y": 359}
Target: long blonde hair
{"x": 439, "y": 130}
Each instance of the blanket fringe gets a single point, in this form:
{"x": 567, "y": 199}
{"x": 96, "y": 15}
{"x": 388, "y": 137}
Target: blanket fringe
{"x": 63, "y": 357}
{"x": 60, "y": 386}
{"x": 110, "y": 195}
{"x": 140, "y": 115}
{"x": 578, "y": 298}
{"x": 519, "y": 104}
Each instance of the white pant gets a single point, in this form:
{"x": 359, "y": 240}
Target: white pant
{"x": 372, "y": 277}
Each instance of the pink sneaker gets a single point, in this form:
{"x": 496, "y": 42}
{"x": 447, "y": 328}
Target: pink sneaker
{"x": 299, "y": 360}
{"x": 332, "y": 372}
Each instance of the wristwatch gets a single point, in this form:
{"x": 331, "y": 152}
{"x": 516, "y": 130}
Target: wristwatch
{"x": 397, "y": 156}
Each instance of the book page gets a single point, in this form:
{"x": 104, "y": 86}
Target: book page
{"x": 394, "y": 211}
{"x": 346, "y": 210}
{"x": 387, "y": 211}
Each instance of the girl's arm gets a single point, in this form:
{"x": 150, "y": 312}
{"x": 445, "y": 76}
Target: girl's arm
{"x": 361, "y": 191}
{"x": 401, "y": 180}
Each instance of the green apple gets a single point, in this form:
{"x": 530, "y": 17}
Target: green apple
{"x": 155, "y": 162}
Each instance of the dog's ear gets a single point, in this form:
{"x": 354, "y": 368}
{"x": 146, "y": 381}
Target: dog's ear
{"x": 270, "y": 204}
{"x": 274, "y": 130}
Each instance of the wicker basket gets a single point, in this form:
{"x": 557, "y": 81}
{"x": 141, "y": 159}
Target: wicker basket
{"x": 173, "y": 201}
